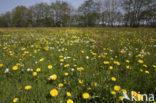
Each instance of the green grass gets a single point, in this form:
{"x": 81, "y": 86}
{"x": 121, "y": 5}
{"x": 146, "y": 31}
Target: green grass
{"x": 24, "y": 47}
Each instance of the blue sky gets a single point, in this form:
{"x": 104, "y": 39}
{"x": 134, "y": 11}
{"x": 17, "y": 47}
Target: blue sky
{"x": 8, "y": 5}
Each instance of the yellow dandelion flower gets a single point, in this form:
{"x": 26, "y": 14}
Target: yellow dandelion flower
{"x": 34, "y": 73}
{"x": 147, "y": 72}
{"x": 113, "y": 79}
{"x": 85, "y": 95}
{"x": 80, "y": 81}
{"x": 117, "y": 88}
{"x": 66, "y": 74}
{"x": 14, "y": 67}
{"x": 124, "y": 90}
{"x": 15, "y": 100}
{"x": 80, "y": 68}
{"x": 120, "y": 97}
{"x": 141, "y": 61}
{"x": 38, "y": 70}
{"x": 60, "y": 85}
{"x": 1, "y": 65}
{"x": 50, "y": 66}
{"x": 27, "y": 87}
{"x": 68, "y": 94}
{"x": 61, "y": 60}
{"x": 106, "y": 62}
{"x": 54, "y": 77}
{"x": 110, "y": 67}
{"x": 70, "y": 101}
{"x": 41, "y": 59}
{"x": 113, "y": 92}
{"x": 54, "y": 92}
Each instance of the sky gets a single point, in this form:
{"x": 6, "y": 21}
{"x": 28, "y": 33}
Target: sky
{"x": 8, "y": 5}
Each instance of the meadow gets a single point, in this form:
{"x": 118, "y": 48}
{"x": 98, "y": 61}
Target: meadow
{"x": 76, "y": 65}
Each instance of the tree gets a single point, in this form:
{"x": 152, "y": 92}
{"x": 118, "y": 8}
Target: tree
{"x": 19, "y": 16}
{"x": 88, "y": 12}
{"x": 136, "y": 11}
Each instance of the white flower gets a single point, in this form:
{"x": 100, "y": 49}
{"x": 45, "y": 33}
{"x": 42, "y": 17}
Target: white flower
{"x": 87, "y": 57}
{"x": 6, "y": 70}
{"x": 72, "y": 69}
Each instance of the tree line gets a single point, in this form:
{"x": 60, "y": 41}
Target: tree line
{"x": 91, "y": 13}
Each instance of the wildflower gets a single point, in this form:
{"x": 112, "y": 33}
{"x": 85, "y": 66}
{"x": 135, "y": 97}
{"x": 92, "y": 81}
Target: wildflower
{"x": 145, "y": 65}
{"x": 106, "y": 62}
{"x": 110, "y": 67}
{"x": 147, "y": 72}
{"x": 38, "y": 70}
{"x": 14, "y": 67}
{"x": 95, "y": 84}
{"x": 70, "y": 101}
{"x": 66, "y": 74}
{"x": 15, "y": 100}
{"x": 85, "y": 95}
{"x": 67, "y": 65}
{"x": 127, "y": 66}
{"x": 27, "y": 87}
{"x": 54, "y": 92}
{"x": 123, "y": 90}
{"x": 50, "y": 66}
{"x": 61, "y": 60}
{"x": 34, "y": 73}
{"x": 68, "y": 94}
{"x": 117, "y": 88}
{"x": 41, "y": 59}
{"x": 113, "y": 79}
{"x": 1, "y": 65}
{"x": 141, "y": 61}
{"x": 120, "y": 97}
{"x": 54, "y": 77}
{"x": 127, "y": 61}
{"x": 80, "y": 68}
{"x": 113, "y": 92}
{"x": 82, "y": 52}
{"x": 60, "y": 85}
{"x": 46, "y": 48}
{"x": 80, "y": 81}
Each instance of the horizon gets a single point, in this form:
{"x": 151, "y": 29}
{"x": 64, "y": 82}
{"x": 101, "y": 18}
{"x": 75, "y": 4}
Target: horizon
{"x": 6, "y": 5}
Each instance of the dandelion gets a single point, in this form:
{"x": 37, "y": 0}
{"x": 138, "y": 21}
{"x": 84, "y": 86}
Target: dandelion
{"x": 61, "y": 60}
{"x": 34, "y": 73}
{"x": 54, "y": 77}
{"x": 1, "y": 65}
{"x": 110, "y": 67}
{"x": 38, "y": 70}
{"x": 15, "y": 100}
{"x": 68, "y": 94}
{"x": 106, "y": 62}
{"x": 147, "y": 72}
{"x": 113, "y": 79}
{"x": 60, "y": 85}
{"x": 117, "y": 88}
{"x": 66, "y": 74}
{"x": 85, "y": 95}
{"x": 14, "y": 67}
{"x": 82, "y": 52}
{"x": 113, "y": 92}
{"x": 80, "y": 81}
{"x": 80, "y": 68}
{"x": 50, "y": 66}
{"x": 70, "y": 101}
{"x": 141, "y": 61}
{"x": 42, "y": 59}
{"x": 27, "y": 87}
{"x": 54, "y": 92}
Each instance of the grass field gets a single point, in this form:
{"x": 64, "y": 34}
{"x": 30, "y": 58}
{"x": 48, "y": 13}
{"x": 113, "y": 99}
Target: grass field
{"x": 80, "y": 65}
